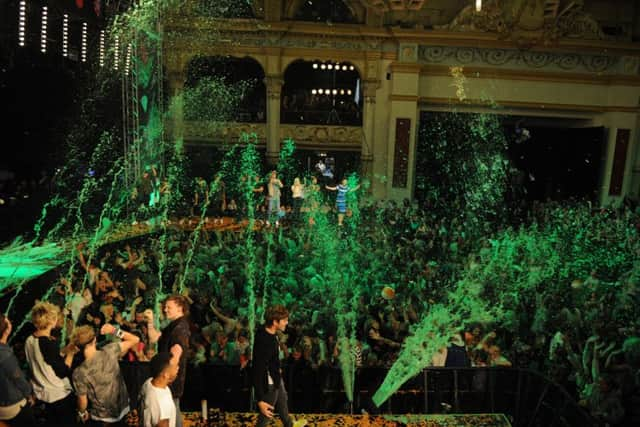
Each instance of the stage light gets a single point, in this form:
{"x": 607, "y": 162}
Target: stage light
{"x": 344, "y": 68}
{"x": 127, "y": 63}
{"x": 478, "y": 5}
{"x": 320, "y": 91}
{"x": 330, "y": 66}
{"x": 43, "y": 30}
{"x": 341, "y": 91}
{"x": 22, "y": 22}
{"x": 116, "y": 52}
{"x": 337, "y": 66}
{"x": 351, "y": 68}
{"x": 314, "y": 92}
{"x": 102, "y": 48}
{"x": 323, "y": 66}
{"x": 335, "y": 91}
{"x": 315, "y": 66}
{"x": 83, "y": 52}
{"x": 65, "y": 35}
{"x": 348, "y": 91}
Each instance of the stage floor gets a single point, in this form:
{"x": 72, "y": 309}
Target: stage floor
{"x": 234, "y": 419}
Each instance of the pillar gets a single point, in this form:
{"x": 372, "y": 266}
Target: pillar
{"x": 369, "y": 88}
{"x": 274, "y": 89}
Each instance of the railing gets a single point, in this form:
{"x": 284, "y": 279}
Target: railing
{"x": 526, "y": 397}
{"x": 321, "y": 117}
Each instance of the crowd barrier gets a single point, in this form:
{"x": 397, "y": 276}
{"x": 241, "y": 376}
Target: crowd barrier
{"x": 526, "y": 397}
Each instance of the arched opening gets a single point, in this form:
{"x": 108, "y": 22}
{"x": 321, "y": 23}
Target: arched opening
{"x": 325, "y": 11}
{"x": 245, "y": 75}
{"x": 321, "y": 92}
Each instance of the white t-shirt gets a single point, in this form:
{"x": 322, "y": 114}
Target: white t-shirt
{"x": 156, "y": 404}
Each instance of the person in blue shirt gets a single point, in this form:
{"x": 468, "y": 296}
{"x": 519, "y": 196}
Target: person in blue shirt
{"x": 341, "y": 198}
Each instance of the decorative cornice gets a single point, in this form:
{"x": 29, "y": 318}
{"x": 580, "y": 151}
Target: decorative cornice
{"x": 404, "y": 98}
{"x": 546, "y": 106}
{"x": 535, "y": 76}
{"x": 510, "y": 58}
{"x": 404, "y": 67}
{"x": 283, "y": 34}
{"x": 322, "y": 135}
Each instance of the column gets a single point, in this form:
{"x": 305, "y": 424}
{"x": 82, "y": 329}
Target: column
{"x": 369, "y": 88}
{"x": 176, "y": 106}
{"x": 274, "y": 88}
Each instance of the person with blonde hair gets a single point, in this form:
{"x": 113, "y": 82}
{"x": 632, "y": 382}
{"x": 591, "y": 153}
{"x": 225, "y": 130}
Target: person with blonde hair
{"x": 50, "y": 368}
{"x": 100, "y": 388}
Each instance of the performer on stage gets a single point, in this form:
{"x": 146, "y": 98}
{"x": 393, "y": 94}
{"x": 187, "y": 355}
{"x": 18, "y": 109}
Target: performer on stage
{"x": 267, "y": 379}
{"x": 341, "y": 198}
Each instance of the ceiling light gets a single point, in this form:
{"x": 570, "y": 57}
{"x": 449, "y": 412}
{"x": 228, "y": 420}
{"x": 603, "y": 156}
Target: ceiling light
{"x": 313, "y": 91}
{"x": 478, "y": 5}
{"x": 344, "y": 68}
{"x": 330, "y": 66}
{"x": 323, "y": 66}
{"x": 341, "y": 91}
{"x": 320, "y": 91}
{"x": 315, "y": 66}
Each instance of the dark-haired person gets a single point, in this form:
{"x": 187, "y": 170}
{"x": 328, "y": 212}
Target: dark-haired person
{"x": 102, "y": 394}
{"x": 50, "y": 369}
{"x": 157, "y": 408}
{"x": 16, "y": 394}
{"x": 177, "y": 332}
{"x": 269, "y": 388}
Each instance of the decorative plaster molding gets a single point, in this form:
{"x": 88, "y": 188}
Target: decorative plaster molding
{"x": 314, "y": 134}
{"x": 519, "y": 59}
{"x": 227, "y": 132}
{"x": 545, "y": 106}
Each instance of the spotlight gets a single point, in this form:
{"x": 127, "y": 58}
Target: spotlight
{"x": 335, "y": 91}
{"x": 65, "y": 35}
{"x": 478, "y": 5}
{"x": 337, "y": 66}
{"x": 102, "y": 48}
{"x": 43, "y": 30}
{"x": 127, "y": 62}
{"x": 22, "y": 22}
{"x": 341, "y": 91}
{"x": 83, "y": 51}
{"x": 348, "y": 91}
{"x": 330, "y": 66}
{"x": 313, "y": 91}
{"x": 315, "y": 66}
{"x": 116, "y": 52}
{"x": 351, "y": 68}
{"x": 320, "y": 91}
{"x": 344, "y": 68}
{"x": 323, "y": 66}
{"x": 327, "y": 91}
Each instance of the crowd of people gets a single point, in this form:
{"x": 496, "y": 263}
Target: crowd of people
{"x": 421, "y": 252}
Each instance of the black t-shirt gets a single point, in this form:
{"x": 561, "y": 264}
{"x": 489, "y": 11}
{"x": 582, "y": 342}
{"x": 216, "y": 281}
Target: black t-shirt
{"x": 266, "y": 361}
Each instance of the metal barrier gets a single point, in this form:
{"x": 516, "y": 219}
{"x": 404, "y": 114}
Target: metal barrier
{"x": 526, "y": 397}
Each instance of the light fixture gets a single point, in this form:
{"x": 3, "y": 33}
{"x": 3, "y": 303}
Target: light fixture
{"x": 314, "y": 92}
{"x": 22, "y": 22}
{"x": 327, "y": 91}
{"x": 335, "y": 91}
{"x": 351, "y": 68}
{"x": 478, "y": 5}
{"x": 348, "y": 91}
{"x": 344, "y": 68}
{"x": 102, "y": 48}
{"x": 43, "y": 30}
{"x": 116, "y": 52}
{"x": 330, "y": 66}
{"x": 127, "y": 62}
{"x": 320, "y": 91}
{"x": 337, "y": 66}
{"x": 323, "y": 66}
{"x": 83, "y": 51}
{"x": 65, "y": 35}
{"x": 315, "y": 66}
{"x": 341, "y": 91}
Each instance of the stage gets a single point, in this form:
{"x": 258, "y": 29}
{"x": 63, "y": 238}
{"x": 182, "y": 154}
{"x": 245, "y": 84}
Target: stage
{"x": 237, "y": 419}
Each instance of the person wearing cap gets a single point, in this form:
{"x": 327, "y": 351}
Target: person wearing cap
{"x": 102, "y": 396}
{"x": 157, "y": 408}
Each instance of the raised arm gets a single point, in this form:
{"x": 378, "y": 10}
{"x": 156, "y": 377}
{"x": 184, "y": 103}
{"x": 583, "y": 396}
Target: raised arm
{"x": 128, "y": 339}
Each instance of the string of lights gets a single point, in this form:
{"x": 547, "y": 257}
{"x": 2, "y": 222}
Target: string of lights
{"x": 43, "y": 30}
{"x": 22, "y": 22}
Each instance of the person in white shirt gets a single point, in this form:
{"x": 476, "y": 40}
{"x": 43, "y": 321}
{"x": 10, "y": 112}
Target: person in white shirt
{"x": 157, "y": 408}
